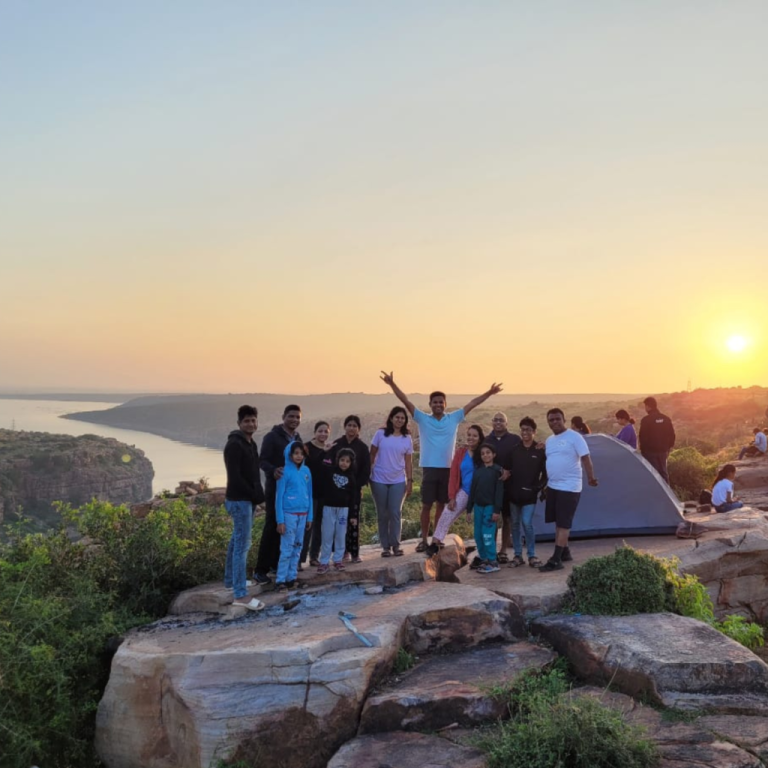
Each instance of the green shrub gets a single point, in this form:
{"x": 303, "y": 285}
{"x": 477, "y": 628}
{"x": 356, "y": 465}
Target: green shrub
{"x": 403, "y": 661}
{"x": 747, "y": 633}
{"x": 551, "y": 729}
{"x": 690, "y": 472}
{"x": 620, "y": 584}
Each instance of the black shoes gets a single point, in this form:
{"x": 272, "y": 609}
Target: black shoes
{"x": 567, "y": 556}
{"x": 551, "y": 565}
{"x": 260, "y": 578}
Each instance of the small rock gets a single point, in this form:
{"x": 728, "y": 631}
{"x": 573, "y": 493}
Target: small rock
{"x": 377, "y": 590}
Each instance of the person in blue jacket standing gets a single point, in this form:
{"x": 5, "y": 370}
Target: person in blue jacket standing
{"x": 293, "y": 510}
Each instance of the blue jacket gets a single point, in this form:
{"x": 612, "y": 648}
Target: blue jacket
{"x": 294, "y": 489}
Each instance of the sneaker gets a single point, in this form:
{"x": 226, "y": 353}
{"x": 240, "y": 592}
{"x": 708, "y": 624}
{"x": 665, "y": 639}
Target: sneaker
{"x": 322, "y": 569}
{"x": 476, "y": 563}
{"x": 566, "y": 557}
{"x": 357, "y": 559}
{"x": 551, "y": 565}
{"x": 290, "y": 584}
{"x": 271, "y": 572}
{"x": 338, "y": 566}
{"x": 488, "y": 568}
{"x": 314, "y": 562}
{"x": 260, "y": 578}
{"x": 281, "y": 586}
{"x": 347, "y": 557}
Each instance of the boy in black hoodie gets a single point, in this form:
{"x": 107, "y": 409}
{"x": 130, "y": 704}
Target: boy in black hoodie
{"x": 244, "y": 492}
{"x": 339, "y": 494}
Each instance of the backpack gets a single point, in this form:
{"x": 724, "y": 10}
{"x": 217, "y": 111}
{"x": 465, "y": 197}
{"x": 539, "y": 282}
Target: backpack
{"x": 705, "y": 497}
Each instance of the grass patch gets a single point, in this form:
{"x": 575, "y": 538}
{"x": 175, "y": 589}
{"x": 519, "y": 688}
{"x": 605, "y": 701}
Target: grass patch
{"x": 403, "y": 661}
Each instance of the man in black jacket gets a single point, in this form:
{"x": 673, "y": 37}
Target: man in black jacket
{"x": 272, "y": 464}
{"x": 657, "y": 437}
{"x": 244, "y": 492}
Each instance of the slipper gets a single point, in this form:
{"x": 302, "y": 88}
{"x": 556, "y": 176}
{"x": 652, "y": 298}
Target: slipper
{"x": 517, "y": 561}
{"x": 421, "y": 546}
{"x": 254, "y": 605}
{"x": 386, "y": 553}
{"x": 502, "y": 557}
{"x": 398, "y": 552}
{"x": 534, "y": 562}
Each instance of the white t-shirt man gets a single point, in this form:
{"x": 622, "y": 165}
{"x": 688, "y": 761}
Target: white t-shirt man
{"x": 564, "y": 453}
{"x": 721, "y": 490}
{"x": 437, "y": 437}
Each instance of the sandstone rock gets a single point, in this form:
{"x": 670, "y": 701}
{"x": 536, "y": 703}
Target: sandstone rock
{"x": 405, "y": 750}
{"x": 141, "y": 510}
{"x": 746, "y": 732}
{"x": 191, "y": 695}
{"x": 714, "y": 754}
{"x": 207, "y": 598}
{"x": 443, "y": 565}
{"x": 751, "y": 473}
{"x": 673, "y": 660}
{"x": 451, "y": 689}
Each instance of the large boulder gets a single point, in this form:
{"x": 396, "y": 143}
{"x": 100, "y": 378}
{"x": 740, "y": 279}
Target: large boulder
{"x": 442, "y": 566}
{"x": 405, "y": 750}
{"x": 189, "y": 695}
{"x": 445, "y": 690}
{"x": 670, "y": 659}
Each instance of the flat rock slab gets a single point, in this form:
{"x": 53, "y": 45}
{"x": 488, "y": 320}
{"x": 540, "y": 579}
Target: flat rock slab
{"x": 747, "y": 732}
{"x": 405, "y": 750}
{"x": 673, "y": 660}
{"x": 731, "y": 560}
{"x": 451, "y": 689}
{"x": 189, "y": 694}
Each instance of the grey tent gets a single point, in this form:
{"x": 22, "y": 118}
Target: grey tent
{"x": 631, "y": 499}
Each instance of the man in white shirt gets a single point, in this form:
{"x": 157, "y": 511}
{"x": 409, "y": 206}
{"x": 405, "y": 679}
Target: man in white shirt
{"x": 759, "y": 445}
{"x": 437, "y": 440}
{"x": 567, "y": 453}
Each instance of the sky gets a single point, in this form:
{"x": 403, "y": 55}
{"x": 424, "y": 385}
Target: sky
{"x": 292, "y": 196}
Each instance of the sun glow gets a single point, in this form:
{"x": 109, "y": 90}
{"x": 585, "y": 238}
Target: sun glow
{"x": 736, "y": 343}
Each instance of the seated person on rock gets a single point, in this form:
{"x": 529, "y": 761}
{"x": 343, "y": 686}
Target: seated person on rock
{"x": 723, "y": 499}
{"x": 758, "y": 447}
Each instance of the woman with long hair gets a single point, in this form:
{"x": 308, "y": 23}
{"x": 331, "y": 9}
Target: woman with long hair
{"x": 316, "y": 450}
{"x": 723, "y": 499}
{"x": 465, "y": 460}
{"x": 627, "y": 432}
{"x": 391, "y": 478}
{"x": 579, "y": 425}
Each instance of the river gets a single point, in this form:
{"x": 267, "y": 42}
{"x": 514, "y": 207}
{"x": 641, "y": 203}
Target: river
{"x": 172, "y": 461}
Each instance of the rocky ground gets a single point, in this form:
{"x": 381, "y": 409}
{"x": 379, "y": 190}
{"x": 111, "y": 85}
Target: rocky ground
{"x": 294, "y": 685}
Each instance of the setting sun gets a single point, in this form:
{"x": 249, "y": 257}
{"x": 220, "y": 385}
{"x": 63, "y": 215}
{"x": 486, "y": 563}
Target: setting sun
{"x": 736, "y": 343}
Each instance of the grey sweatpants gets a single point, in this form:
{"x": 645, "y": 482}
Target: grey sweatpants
{"x": 388, "y": 499}
{"x": 334, "y": 533}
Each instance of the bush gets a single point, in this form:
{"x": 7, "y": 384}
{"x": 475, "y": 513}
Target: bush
{"x": 690, "y": 472}
{"x": 551, "y": 729}
{"x": 620, "y": 584}
{"x": 62, "y": 602}
{"x": 628, "y": 582}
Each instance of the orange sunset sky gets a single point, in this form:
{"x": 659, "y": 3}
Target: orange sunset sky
{"x": 288, "y": 197}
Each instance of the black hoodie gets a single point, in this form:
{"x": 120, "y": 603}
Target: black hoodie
{"x": 657, "y": 435}
{"x": 273, "y": 452}
{"x": 339, "y": 488}
{"x": 241, "y": 458}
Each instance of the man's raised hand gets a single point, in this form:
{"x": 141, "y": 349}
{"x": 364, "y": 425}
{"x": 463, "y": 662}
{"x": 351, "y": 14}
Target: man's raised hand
{"x": 495, "y": 388}
{"x": 388, "y": 378}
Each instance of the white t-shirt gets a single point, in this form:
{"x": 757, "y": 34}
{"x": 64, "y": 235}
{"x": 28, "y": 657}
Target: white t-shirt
{"x": 564, "y": 452}
{"x": 720, "y": 491}
{"x": 389, "y": 466}
{"x": 761, "y": 442}
{"x": 437, "y": 437}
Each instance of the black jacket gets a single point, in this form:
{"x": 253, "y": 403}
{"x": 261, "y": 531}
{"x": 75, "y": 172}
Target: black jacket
{"x": 657, "y": 435}
{"x": 487, "y": 489}
{"x": 529, "y": 473}
{"x": 241, "y": 458}
{"x": 315, "y": 458}
{"x": 362, "y": 459}
{"x": 504, "y": 446}
{"x": 273, "y": 452}
{"x": 339, "y": 488}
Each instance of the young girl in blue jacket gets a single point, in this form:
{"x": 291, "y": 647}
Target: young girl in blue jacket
{"x": 293, "y": 509}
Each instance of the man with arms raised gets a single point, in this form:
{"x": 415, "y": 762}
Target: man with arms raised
{"x": 273, "y": 465}
{"x": 437, "y": 438}
{"x": 567, "y": 453}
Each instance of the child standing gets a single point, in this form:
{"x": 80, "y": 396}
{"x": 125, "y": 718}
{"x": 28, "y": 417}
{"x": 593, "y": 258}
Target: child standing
{"x": 339, "y": 495}
{"x": 487, "y": 494}
{"x": 723, "y": 499}
{"x": 293, "y": 511}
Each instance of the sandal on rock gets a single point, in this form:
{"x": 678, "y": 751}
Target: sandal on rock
{"x": 517, "y": 561}
{"x": 386, "y": 553}
{"x": 421, "y": 546}
{"x": 501, "y": 557}
{"x": 398, "y": 552}
{"x": 534, "y": 562}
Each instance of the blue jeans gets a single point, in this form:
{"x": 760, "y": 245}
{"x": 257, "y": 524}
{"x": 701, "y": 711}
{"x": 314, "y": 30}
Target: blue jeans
{"x": 485, "y": 533}
{"x": 241, "y": 513}
{"x": 291, "y": 543}
{"x": 388, "y": 499}
{"x": 334, "y": 533}
{"x": 522, "y": 514}
{"x": 729, "y": 506}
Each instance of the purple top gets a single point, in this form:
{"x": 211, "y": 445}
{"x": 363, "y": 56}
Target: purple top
{"x": 627, "y": 435}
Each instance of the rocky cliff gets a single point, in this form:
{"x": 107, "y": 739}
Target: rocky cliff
{"x": 37, "y": 468}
